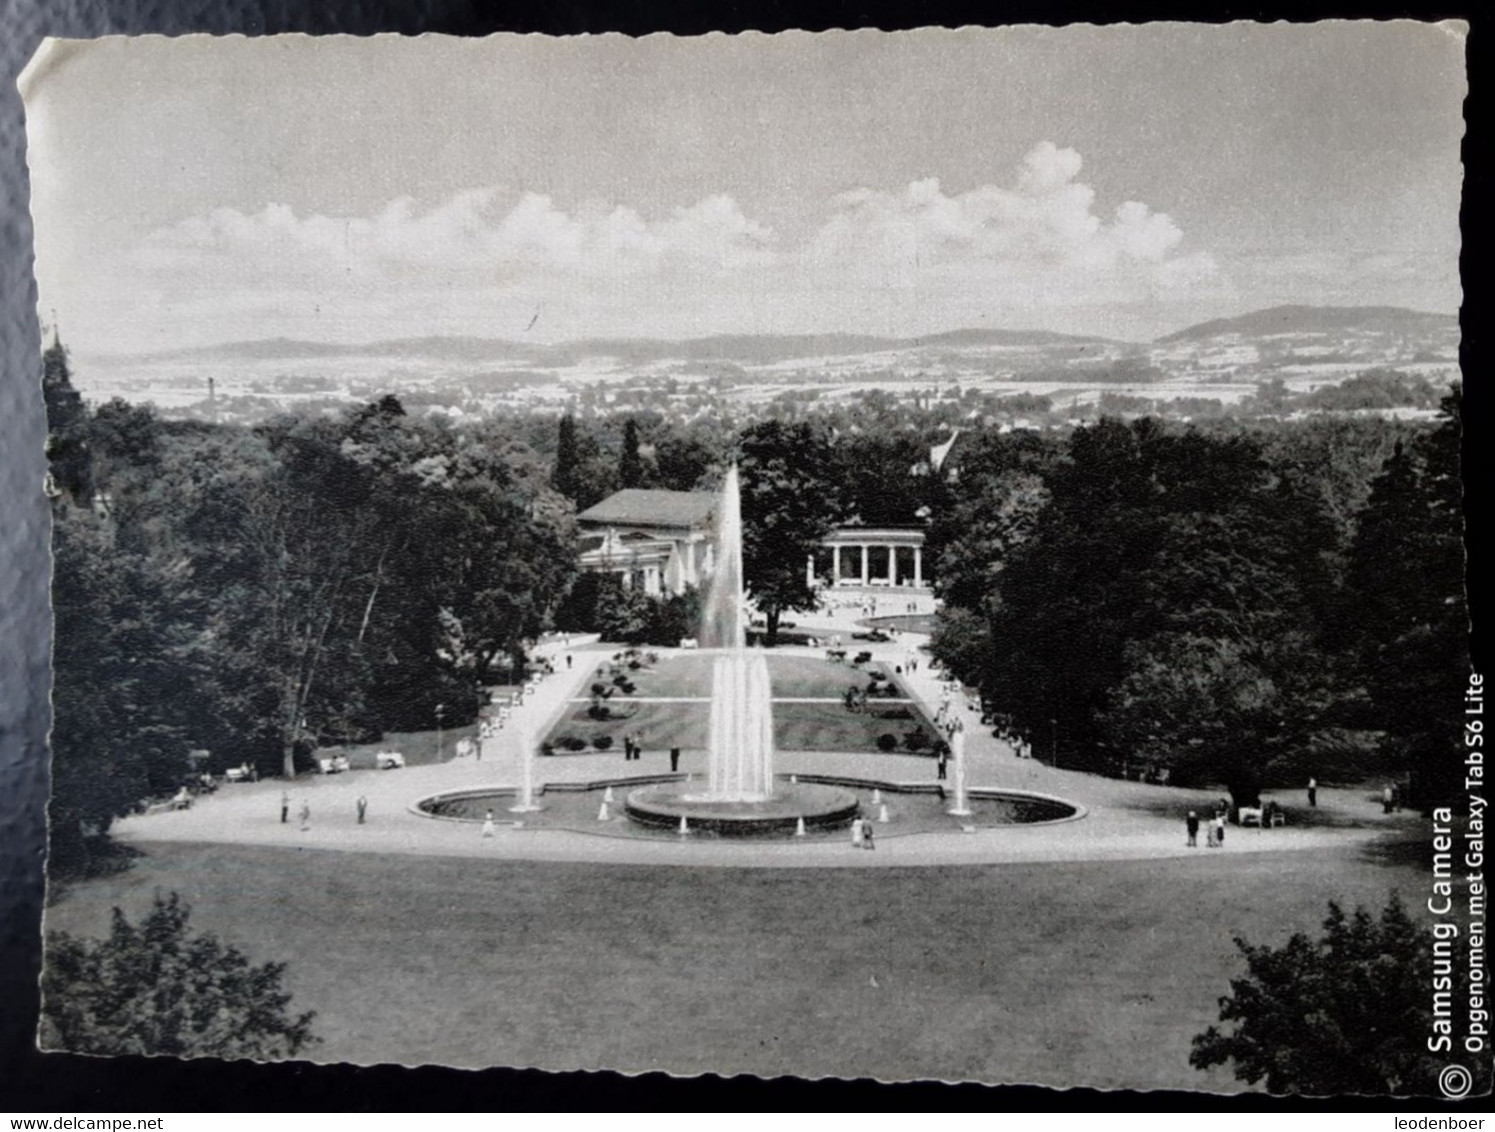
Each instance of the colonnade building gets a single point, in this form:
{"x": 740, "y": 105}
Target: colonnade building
{"x": 664, "y": 542}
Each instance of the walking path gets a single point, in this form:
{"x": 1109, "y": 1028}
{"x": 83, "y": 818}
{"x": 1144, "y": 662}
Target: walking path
{"x": 1124, "y": 820}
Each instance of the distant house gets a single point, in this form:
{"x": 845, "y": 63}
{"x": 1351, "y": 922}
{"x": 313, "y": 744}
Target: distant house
{"x": 661, "y": 541}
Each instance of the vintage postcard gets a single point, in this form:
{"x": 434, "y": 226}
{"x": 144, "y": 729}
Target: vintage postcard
{"x": 916, "y": 556}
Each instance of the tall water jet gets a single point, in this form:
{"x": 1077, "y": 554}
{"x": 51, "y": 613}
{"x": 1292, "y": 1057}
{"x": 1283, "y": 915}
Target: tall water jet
{"x": 740, "y": 754}
{"x": 740, "y": 798}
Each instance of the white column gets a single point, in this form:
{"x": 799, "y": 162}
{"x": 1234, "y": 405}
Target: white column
{"x": 892, "y": 566}
{"x": 866, "y": 563}
{"x": 918, "y": 565}
{"x": 835, "y": 565}
{"x": 810, "y": 571}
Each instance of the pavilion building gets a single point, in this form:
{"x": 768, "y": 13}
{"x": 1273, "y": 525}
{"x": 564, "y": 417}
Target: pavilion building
{"x": 662, "y": 542}
{"x": 870, "y": 557}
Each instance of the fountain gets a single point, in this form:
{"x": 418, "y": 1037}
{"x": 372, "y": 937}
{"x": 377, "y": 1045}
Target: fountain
{"x": 741, "y": 794}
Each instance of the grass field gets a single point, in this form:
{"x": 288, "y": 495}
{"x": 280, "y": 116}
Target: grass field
{"x": 1095, "y": 974}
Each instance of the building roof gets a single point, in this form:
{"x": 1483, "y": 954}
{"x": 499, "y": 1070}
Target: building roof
{"x": 639, "y": 507}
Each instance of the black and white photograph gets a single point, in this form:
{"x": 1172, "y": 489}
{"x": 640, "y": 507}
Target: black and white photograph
{"x": 918, "y": 556}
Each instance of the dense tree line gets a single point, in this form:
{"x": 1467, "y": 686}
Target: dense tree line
{"x": 1242, "y": 605}
{"x": 256, "y": 593}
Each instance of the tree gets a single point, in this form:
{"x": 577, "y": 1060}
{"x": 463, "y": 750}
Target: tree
{"x": 1168, "y": 568}
{"x": 624, "y": 613}
{"x": 1406, "y": 604}
{"x": 155, "y": 989}
{"x": 681, "y": 461}
{"x": 67, "y": 426}
{"x": 567, "y": 458}
{"x": 789, "y": 504}
{"x": 102, "y": 624}
{"x": 1344, "y": 1015}
{"x": 630, "y": 464}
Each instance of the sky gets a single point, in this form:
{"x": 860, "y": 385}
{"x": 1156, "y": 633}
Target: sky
{"x": 1123, "y": 181}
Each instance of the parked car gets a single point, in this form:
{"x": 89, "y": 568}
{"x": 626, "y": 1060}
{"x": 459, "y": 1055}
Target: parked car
{"x": 389, "y": 760}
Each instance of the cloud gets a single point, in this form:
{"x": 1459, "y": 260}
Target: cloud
{"x": 1045, "y": 222}
{"x": 1035, "y": 250}
{"x": 470, "y": 232}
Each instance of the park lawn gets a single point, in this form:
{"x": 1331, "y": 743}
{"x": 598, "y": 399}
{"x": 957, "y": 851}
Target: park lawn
{"x": 689, "y": 675}
{"x": 796, "y": 726}
{"x": 1066, "y": 974}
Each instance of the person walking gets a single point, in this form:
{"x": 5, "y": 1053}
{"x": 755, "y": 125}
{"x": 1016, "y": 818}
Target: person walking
{"x": 363, "y": 808}
{"x": 1191, "y": 823}
{"x": 488, "y": 824}
{"x": 856, "y": 833}
{"x": 305, "y": 816}
{"x": 285, "y": 807}
{"x": 1388, "y": 799}
{"x": 674, "y": 759}
{"x": 1220, "y": 830}
{"x": 627, "y": 748}
{"x": 1313, "y": 792}
{"x": 944, "y": 761}
{"x": 568, "y": 662}
{"x": 867, "y": 841}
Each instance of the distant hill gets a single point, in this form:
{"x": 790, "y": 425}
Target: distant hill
{"x": 991, "y": 337}
{"x": 745, "y": 349}
{"x": 1317, "y": 320}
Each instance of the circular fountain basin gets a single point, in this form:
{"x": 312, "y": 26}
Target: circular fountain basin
{"x": 820, "y": 807}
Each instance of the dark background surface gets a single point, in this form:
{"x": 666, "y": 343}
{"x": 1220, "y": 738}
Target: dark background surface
{"x": 61, "y": 1083}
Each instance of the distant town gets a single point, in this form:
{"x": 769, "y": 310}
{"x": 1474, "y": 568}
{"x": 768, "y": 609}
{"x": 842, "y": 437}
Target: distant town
{"x": 1283, "y": 362}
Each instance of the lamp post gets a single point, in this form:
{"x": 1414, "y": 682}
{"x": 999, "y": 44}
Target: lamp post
{"x": 440, "y": 713}
{"x": 1054, "y": 742}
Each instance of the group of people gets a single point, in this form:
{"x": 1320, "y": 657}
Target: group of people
{"x": 861, "y": 834}
{"x": 632, "y": 748}
{"x": 360, "y": 807}
{"x": 1214, "y": 829}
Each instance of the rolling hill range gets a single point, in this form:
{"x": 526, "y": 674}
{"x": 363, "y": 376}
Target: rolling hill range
{"x": 1300, "y": 320}
{"x": 1222, "y": 359}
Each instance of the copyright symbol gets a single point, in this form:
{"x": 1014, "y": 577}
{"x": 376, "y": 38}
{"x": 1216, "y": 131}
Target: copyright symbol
{"x": 1455, "y": 1081}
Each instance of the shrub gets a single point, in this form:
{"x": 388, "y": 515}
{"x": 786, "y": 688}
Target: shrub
{"x": 602, "y": 742}
{"x": 599, "y": 689}
{"x": 916, "y": 740}
{"x": 1343, "y": 1014}
{"x": 152, "y": 988}
{"x": 887, "y": 741}
{"x": 571, "y": 743}
{"x": 628, "y": 687}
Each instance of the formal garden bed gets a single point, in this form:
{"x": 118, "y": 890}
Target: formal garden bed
{"x": 820, "y": 705}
